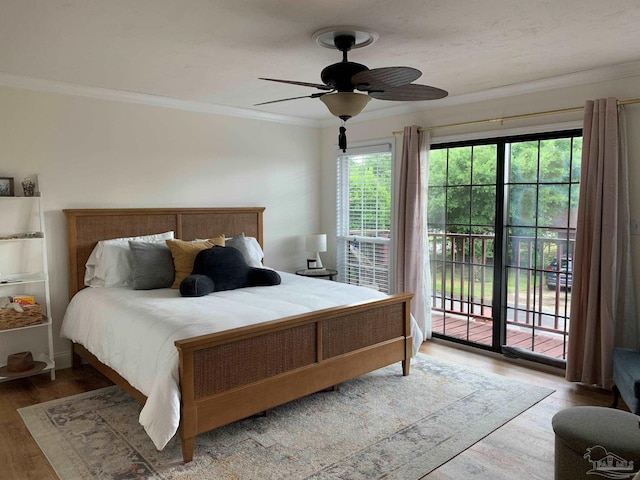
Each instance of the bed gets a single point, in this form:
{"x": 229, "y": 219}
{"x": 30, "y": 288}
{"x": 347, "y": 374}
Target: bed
{"x": 253, "y": 366}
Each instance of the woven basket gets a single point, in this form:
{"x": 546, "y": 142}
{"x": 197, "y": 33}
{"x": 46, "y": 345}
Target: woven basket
{"x": 9, "y": 318}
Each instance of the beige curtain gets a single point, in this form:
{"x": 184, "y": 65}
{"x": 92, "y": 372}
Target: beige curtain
{"x": 602, "y": 294}
{"x": 412, "y": 254}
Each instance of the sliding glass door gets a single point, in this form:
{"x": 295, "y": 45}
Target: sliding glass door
{"x": 462, "y": 221}
{"x": 501, "y": 219}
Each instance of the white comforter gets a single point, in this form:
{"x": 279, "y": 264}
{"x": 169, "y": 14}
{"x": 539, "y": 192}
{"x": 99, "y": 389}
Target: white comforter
{"x": 133, "y": 331}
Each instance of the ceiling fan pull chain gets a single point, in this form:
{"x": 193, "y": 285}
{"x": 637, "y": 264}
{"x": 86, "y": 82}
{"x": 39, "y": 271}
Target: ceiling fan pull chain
{"x": 342, "y": 138}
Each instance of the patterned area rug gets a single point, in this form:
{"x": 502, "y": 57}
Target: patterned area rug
{"x": 381, "y": 425}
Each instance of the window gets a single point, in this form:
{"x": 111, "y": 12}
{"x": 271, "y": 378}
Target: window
{"x": 364, "y": 216}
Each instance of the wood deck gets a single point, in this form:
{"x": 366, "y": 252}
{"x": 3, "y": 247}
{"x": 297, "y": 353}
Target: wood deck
{"x": 482, "y": 332}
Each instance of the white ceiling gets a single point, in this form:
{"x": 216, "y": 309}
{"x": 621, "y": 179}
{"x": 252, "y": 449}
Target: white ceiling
{"x": 213, "y": 51}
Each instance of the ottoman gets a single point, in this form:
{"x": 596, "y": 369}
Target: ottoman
{"x": 596, "y": 441}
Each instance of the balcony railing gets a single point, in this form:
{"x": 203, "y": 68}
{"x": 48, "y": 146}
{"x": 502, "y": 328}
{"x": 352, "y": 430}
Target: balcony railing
{"x": 538, "y": 290}
{"x": 462, "y": 273}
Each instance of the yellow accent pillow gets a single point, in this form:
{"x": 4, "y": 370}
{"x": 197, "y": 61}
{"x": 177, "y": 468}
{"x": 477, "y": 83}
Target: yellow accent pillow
{"x": 184, "y": 254}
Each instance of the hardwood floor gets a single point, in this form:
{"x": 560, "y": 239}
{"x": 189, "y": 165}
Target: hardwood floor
{"x": 20, "y": 456}
{"x": 522, "y": 448}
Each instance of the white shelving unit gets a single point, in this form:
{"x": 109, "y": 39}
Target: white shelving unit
{"x": 24, "y": 270}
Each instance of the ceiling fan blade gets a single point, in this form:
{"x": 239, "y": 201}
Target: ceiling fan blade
{"x": 313, "y": 95}
{"x": 303, "y": 84}
{"x": 409, "y": 93}
{"x": 378, "y": 78}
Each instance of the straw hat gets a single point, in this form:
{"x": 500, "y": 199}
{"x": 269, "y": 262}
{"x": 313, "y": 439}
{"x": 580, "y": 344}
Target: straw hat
{"x": 21, "y": 364}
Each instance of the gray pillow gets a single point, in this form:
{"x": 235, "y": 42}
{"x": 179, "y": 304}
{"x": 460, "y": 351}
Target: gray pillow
{"x": 152, "y": 265}
{"x": 248, "y": 251}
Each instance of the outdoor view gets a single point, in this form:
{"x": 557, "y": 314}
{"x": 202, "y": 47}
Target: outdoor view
{"x": 504, "y": 237}
{"x": 364, "y": 218}
{"x": 501, "y": 228}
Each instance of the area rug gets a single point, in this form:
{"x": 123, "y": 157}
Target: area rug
{"x": 380, "y": 425}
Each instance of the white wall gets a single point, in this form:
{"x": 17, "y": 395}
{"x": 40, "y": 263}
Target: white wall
{"x": 623, "y": 89}
{"x": 97, "y": 153}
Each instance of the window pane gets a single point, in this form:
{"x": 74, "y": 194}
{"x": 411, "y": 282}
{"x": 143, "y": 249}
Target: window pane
{"x": 555, "y": 157}
{"x": 459, "y": 170}
{"x": 438, "y": 167}
{"x": 522, "y": 247}
{"x": 523, "y": 162}
{"x": 522, "y": 205}
{"x": 576, "y": 160}
{"x": 458, "y": 207}
{"x": 484, "y": 164}
{"x": 573, "y": 208}
{"x": 483, "y": 208}
{"x": 436, "y": 207}
{"x": 369, "y": 194}
{"x": 553, "y": 203}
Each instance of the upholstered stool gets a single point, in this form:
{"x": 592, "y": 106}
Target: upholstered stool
{"x": 595, "y": 439}
{"x": 626, "y": 378}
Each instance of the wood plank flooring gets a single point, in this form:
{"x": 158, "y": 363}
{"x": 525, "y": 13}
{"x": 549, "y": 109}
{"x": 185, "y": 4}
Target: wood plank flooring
{"x": 481, "y": 332}
{"x": 522, "y": 448}
{"x": 20, "y": 456}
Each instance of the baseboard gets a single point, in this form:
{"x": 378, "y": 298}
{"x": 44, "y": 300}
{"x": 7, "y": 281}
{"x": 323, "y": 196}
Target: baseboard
{"x": 63, "y": 360}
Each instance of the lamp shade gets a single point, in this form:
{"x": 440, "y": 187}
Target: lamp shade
{"x": 317, "y": 243}
{"x": 345, "y": 104}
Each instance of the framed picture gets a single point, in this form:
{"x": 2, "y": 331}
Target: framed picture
{"x": 312, "y": 263}
{"x": 6, "y": 186}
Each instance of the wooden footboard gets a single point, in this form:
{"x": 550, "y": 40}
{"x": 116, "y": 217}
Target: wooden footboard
{"x": 231, "y": 375}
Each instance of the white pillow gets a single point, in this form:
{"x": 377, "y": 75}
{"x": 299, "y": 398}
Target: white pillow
{"x": 109, "y": 264}
{"x": 249, "y": 247}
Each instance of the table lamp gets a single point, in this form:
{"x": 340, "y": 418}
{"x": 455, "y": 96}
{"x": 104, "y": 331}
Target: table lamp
{"x": 316, "y": 243}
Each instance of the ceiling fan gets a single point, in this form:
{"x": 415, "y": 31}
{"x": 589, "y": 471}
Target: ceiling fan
{"x": 342, "y": 78}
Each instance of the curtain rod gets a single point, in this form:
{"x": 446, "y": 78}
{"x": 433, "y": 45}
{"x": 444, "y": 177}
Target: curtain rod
{"x": 515, "y": 117}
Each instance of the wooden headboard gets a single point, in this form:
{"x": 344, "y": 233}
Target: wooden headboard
{"x": 85, "y": 227}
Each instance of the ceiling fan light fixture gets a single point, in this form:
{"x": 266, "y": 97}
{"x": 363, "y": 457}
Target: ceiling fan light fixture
{"x": 345, "y": 105}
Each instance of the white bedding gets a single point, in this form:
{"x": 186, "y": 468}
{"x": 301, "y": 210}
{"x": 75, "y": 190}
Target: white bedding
{"x": 133, "y": 331}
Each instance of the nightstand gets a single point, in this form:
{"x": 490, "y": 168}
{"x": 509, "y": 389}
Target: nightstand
{"x": 319, "y": 273}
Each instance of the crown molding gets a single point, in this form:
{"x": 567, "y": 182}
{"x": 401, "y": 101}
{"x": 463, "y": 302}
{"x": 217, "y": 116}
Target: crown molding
{"x": 612, "y": 72}
{"x": 49, "y": 86}
{"x": 603, "y": 74}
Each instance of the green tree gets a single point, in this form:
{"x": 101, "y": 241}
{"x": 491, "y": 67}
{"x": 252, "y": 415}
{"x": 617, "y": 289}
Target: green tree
{"x": 462, "y": 189}
{"x": 370, "y": 194}
{"x": 462, "y": 185}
